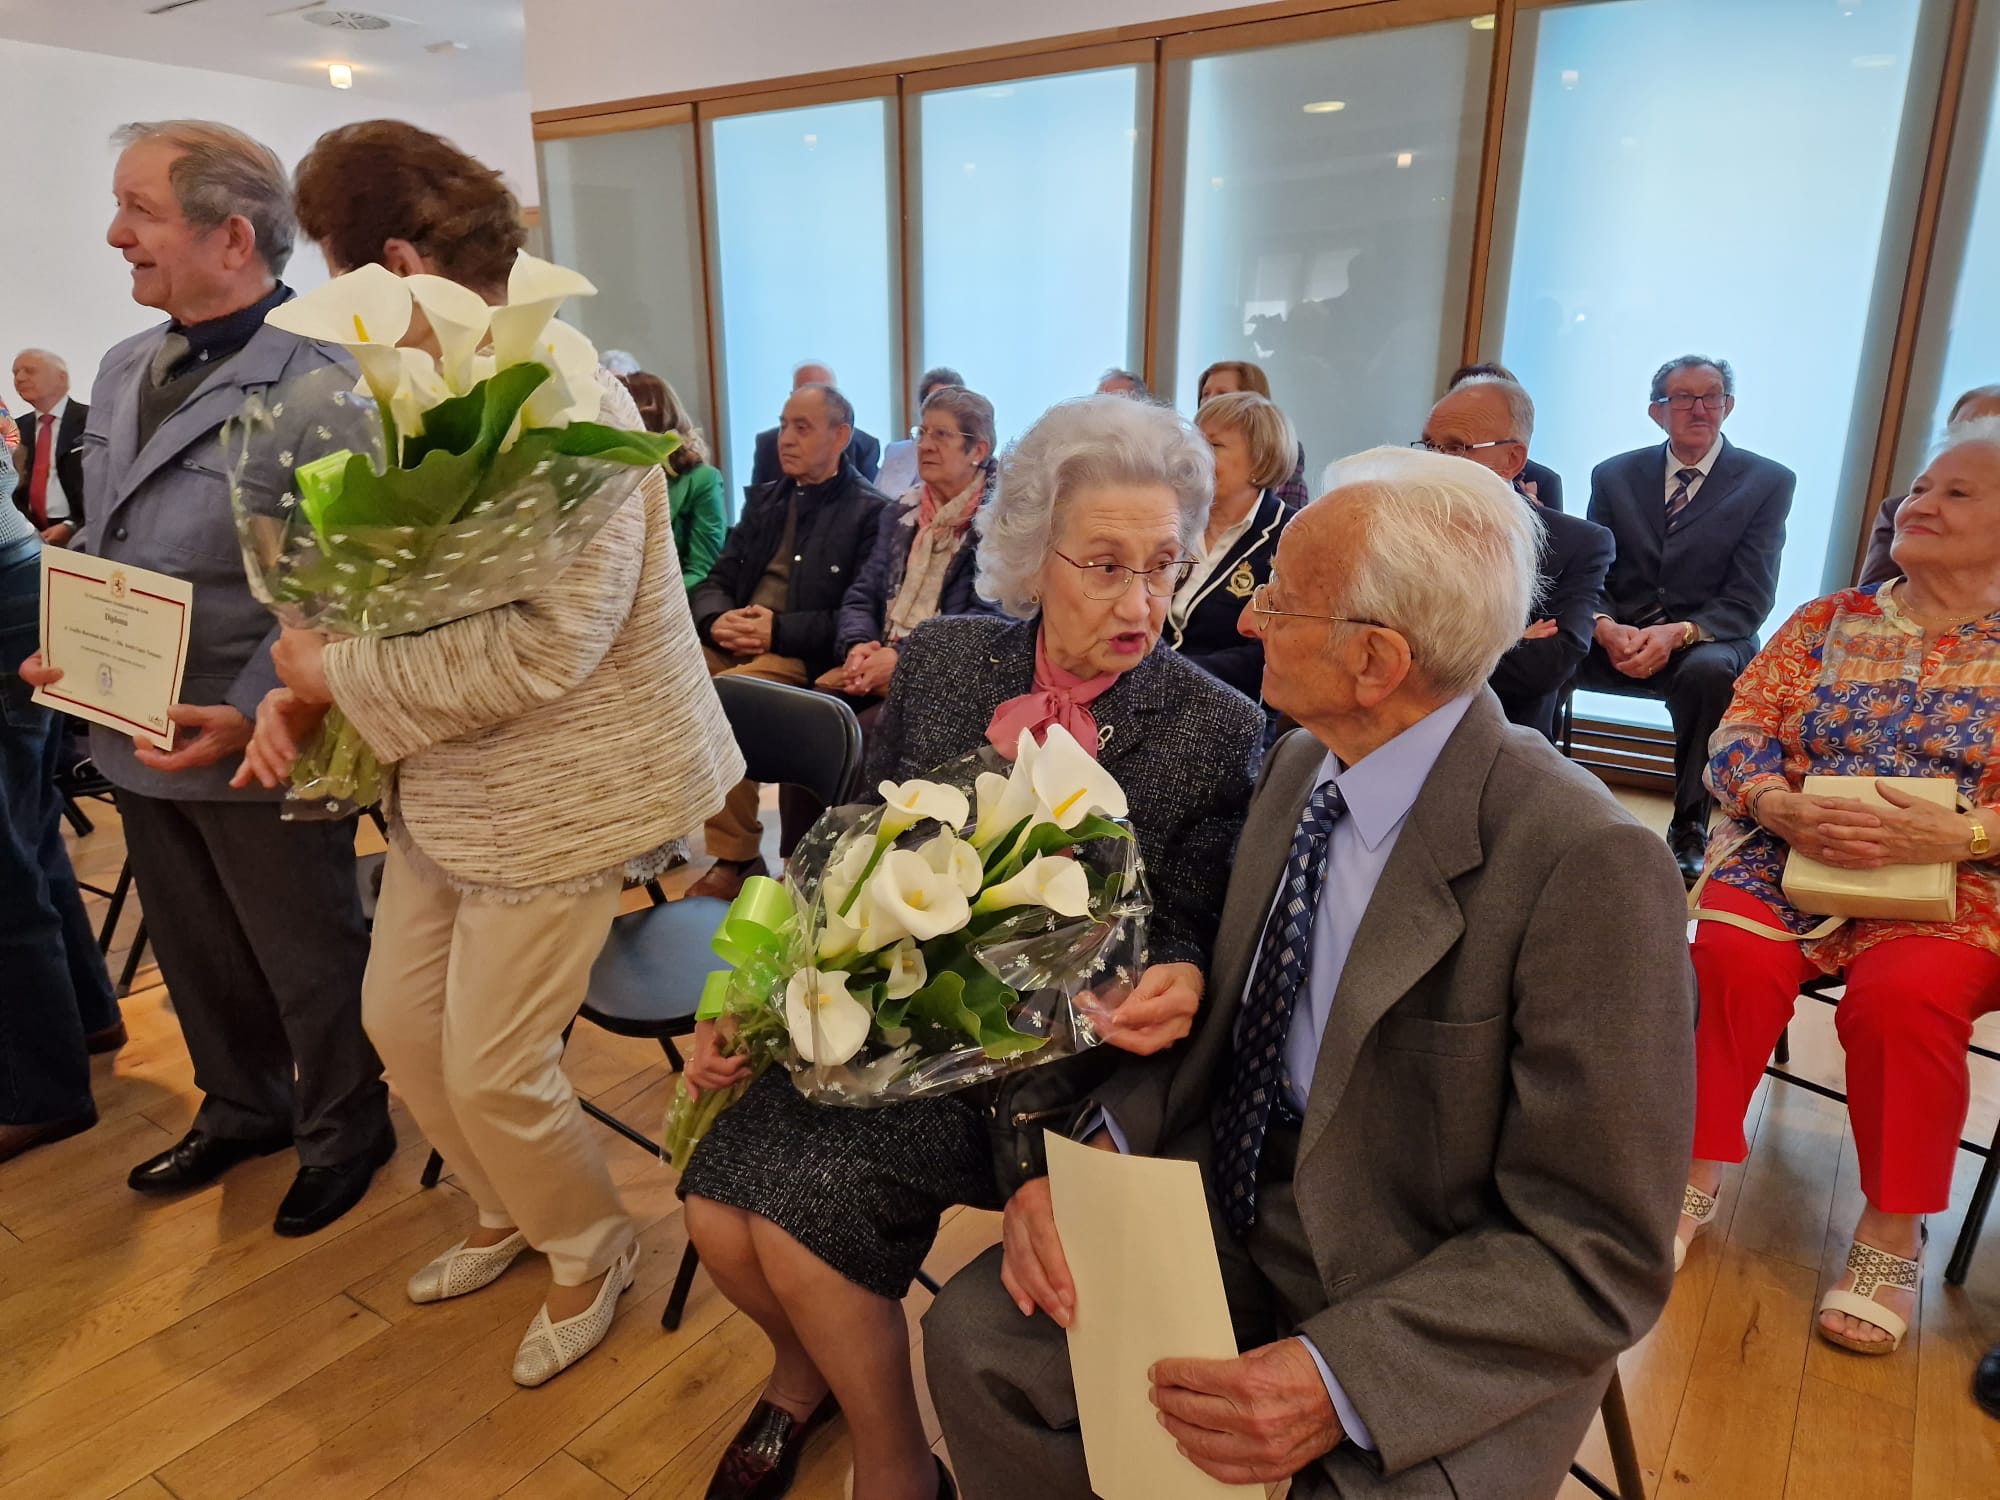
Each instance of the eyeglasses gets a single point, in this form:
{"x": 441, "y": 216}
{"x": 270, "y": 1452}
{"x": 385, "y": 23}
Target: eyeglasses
{"x": 1260, "y": 603}
{"x": 940, "y": 434}
{"x": 1682, "y": 401}
{"x": 1459, "y": 450}
{"x": 1103, "y": 581}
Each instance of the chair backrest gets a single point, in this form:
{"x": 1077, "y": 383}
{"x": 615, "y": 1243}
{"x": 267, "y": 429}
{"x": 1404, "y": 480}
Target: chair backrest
{"x": 793, "y": 736}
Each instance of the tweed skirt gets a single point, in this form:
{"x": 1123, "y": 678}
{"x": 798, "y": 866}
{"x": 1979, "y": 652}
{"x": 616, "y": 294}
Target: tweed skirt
{"x": 863, "y": 1189}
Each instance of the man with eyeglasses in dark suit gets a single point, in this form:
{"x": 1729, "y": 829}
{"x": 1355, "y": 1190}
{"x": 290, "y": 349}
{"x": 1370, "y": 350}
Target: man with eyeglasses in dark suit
{"x": 1700, "y": 528}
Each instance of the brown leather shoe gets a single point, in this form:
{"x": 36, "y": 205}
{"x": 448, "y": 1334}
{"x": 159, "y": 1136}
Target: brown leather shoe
{"x": 14, "y": 1139}
{"x": 762, "y": 1459}
{"x": 110, "y": 1039}
{"x": 724, "y": 880}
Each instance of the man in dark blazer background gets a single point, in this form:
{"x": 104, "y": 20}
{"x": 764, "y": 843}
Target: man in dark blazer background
{"x": 1537, "y": 481}
{"x": 1490, "y": 420}
{"x": 863, "y": 451}
{"x": 1442, "y": 1137}
{"x": 51, "y": 491}
{"x": 1700, "y": 527}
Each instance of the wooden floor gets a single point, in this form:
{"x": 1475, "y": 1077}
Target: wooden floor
{"x": 179, "y": 1351}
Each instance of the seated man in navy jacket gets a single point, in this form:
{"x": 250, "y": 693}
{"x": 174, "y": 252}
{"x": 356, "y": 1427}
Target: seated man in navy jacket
{"x": 1700, "y": 526}
{"x": 1491, "y": 420}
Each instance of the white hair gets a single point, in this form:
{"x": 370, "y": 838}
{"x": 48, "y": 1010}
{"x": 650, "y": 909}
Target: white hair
{"x": 1975, "y": 432}
{"x": 1446, "y": 556}
{"x": 47, "y": 356}
{"x": 1093, "y": 440}
{"x": 1520, "y": 405}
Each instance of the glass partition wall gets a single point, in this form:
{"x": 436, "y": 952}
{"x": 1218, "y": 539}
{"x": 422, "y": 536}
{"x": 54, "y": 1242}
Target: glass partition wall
{"x": 1637, "y": 178}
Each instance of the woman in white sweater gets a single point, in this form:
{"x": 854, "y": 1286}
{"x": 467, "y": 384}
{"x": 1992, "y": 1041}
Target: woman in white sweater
{"x": 544, "y": 753}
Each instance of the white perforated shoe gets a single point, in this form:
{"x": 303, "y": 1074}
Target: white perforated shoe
{"x": 461, "y": 1269}
{"x": 551, "y": 1347}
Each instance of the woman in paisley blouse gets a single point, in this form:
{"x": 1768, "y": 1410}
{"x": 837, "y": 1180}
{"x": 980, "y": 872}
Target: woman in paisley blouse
{"x": 1899, "y": 679}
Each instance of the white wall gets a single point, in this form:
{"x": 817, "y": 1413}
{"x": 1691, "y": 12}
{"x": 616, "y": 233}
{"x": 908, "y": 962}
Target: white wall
{"x": 591, "y": 51}
{"x": 64, "y": 288}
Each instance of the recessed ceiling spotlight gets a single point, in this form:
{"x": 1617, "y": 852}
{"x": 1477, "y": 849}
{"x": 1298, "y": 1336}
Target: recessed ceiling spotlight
{"x": 1482, "y": 23}
{"x": 447, "y": 47}
{"x": 340, "y": 75}
{"x": 1326, "y": 107}
{"x": 1404, "y": 158}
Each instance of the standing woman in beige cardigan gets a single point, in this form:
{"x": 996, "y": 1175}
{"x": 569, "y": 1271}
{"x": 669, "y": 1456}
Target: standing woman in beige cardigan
{"x": 544, "y": 752}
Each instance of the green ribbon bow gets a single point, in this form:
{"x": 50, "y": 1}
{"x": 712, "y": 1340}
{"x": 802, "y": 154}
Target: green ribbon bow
{"x": 754, "y": 939}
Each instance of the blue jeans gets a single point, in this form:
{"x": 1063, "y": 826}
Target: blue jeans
{"x": 56, "y": 986}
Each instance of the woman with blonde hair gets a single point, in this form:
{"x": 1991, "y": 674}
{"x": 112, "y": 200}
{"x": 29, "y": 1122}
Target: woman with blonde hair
{"x": 694, "y": 485}
{"x": 1238, "y": 375}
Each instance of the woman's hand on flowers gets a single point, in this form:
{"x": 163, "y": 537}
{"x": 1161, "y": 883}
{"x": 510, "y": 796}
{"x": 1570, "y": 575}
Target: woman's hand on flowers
{"x": 708, "y": 1066}
{"x": 1159, "y": 1011}
{"x": 283, "y": 720}
{"x": 300, "y": 657}
{"x": 1907, "y": 832}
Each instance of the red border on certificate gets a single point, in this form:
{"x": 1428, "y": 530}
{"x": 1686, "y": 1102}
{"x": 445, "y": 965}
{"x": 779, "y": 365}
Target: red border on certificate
{"x": 55, "y": 690}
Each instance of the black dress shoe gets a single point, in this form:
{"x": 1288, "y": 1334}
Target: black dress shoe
{"x": 1689, "y": 841}
{"x": 1986, "y": 1383}
{"x": 762, "y": 1459}
{"x": 197, "y": 1159}
{"x": 319, "y": 1195}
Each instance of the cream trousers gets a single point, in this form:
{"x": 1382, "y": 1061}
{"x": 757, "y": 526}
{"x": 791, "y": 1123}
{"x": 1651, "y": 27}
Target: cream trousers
{"x": 466, "y": 1000}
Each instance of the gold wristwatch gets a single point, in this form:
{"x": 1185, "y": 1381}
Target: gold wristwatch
{"x": 1690, "y": 633}
{"x": 1981, "y": 844}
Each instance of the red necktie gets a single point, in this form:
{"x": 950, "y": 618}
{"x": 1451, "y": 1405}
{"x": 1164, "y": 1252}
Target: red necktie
{"x": 38, "y": 482}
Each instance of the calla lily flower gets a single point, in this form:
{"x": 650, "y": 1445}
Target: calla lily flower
{"x": 1059, "y": 884}
{"x": 535, "y": 289}
{"x": 845, "y": 870}
{"x": 459, "y": 318}
{"x": 1005, "y": 800}
{"x": 572, "y": 392}
{"x": 827, "y": 1024}
{"x": 1069, "y": 783}
{"x": 911, "y": 802}
{"x": 366, "y": 312}
{"x": 840, "y": 935}
{"x": 421, "y": 389}
{"x": 906, "y": 891}
{"x": 908, "y": 972}
{"x": 950, "y": 855}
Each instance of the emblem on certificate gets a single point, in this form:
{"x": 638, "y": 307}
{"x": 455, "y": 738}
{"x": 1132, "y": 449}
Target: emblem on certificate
{"x": 120, "y": 636}
{"x": 1242, "y": 582}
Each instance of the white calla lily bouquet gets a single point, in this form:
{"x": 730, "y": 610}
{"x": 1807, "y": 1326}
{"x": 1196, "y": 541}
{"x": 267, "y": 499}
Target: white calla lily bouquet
{"x": 937, "y": 940}
{"x": 435, "y": 487}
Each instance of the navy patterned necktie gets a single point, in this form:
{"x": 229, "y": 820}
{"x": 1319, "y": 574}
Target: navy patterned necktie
{"x": 1243, "y": 1116}
{"x": 1677, "y": 501}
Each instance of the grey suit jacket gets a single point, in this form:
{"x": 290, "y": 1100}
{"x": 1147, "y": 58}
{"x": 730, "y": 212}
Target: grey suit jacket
{"x": 165, "y": 506}
{"x": 1499, "y": 1122}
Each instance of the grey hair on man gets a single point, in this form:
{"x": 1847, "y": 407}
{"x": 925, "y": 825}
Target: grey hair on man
{"x": 1446, "y": 557}
{"x": 839, "y": 410}
{"x": 223, "y": 174}
{"x": 1520, "y": 405}
{"x": 1093, "y": 440}
{"x": 1123, "y": 383}
{"x": 47, "y": 356}
{"x": 971, "y": 412}
{"x": 1692, "y": 362}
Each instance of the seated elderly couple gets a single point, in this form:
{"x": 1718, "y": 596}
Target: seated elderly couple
{"x": 824, "y": 578}
{"x": 1894, "y": 679}
{"x": 1444, "y": 1141}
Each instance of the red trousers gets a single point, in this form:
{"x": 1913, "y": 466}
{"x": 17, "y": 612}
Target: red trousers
{"x": 1904, "y": 1023}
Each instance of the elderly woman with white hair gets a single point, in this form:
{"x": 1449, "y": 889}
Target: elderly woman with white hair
{"x": 1888, "y": 680}
{"x": 814, "y": 1219}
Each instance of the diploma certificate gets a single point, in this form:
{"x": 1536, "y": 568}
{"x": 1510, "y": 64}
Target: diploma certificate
{"x": 120, "y": 636}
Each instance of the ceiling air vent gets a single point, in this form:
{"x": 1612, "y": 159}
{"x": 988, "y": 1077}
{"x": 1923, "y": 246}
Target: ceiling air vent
{"x": 347, "y": 20}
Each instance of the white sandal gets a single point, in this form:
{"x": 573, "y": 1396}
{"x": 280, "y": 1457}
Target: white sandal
{"x": 551, "y": 1347}
{"x": 461, "y": 1269}
{"x": 1873, "y": 1269}
{"x": 1696, "y": 1205}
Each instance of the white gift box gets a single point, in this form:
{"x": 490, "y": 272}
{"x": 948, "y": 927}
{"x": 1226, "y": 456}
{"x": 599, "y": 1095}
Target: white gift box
{"x": 1907, "y": 893}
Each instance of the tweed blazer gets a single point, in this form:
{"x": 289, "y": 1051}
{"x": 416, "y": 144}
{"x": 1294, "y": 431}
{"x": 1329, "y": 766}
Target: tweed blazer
{"x": 1184, "y": 747}
{"x": 551, "y": 740}
{"x": 1498, "y": 1124}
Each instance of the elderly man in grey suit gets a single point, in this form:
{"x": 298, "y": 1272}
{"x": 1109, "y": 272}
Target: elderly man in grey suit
{"x": 257, "y": 922}
{"x": 1444, "y": 1078}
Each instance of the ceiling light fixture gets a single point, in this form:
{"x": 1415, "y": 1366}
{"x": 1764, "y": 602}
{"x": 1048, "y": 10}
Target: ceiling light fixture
{"x": 1482, "y": 23}
{"x": 1326, "y": 107}
{"x": 340, "y": 75}
{"x": 1404, "y": 158}
{"x": 442, "y": 47}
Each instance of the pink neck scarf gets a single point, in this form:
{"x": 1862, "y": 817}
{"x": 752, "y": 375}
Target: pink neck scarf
{"x": 1058, "y": 697}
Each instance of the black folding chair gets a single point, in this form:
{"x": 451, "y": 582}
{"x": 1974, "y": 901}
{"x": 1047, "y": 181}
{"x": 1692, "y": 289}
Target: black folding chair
{"x": 1624, "y": 1452}
{"x": 1960, "y": 1264}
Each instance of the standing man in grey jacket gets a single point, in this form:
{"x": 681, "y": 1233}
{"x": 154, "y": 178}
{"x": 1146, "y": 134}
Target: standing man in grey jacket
{"x": 257, "y": 922}
{"x": 1438, "y": 1127}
